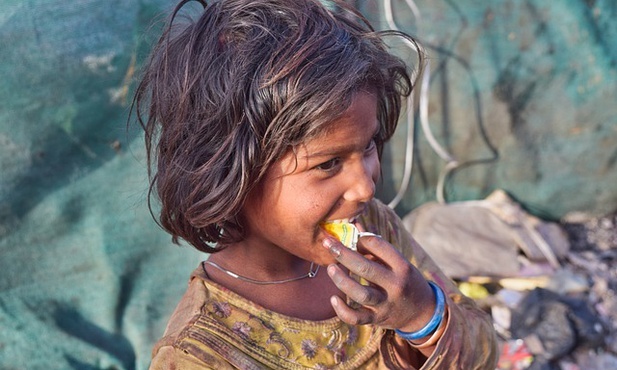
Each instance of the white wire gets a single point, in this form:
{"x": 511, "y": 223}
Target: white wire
{"x": 451, "y": 162}
{"x": 424, "y": 88}
{"x": 409, "y": 144}
{"x": 408, "y": 155}
{"x": 390, "y": 14}
{"x": 414, "y": 9}
{"x": 392, "y": 23}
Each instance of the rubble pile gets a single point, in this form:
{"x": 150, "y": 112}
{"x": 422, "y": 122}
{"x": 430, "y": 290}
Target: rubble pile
{"x": 568, "y": 320}
{"x": 551, "y": 288}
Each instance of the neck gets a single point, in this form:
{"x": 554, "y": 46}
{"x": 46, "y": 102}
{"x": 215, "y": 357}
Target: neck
{"x": 305, "y": 298}
{"x": 260, "y": 263}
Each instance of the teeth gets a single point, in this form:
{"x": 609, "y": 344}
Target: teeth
{"x": 342, "y": 221}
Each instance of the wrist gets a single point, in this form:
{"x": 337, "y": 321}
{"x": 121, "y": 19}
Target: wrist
{"x": 435, "y": 321}
{"x": 437, "y": 334}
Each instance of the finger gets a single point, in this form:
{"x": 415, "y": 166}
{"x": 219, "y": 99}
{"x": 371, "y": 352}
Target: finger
{"x": 360, "y": 316}
{"x": 384, "y": 251}
{"x": 360, "y": 227}
{"x": 355, "y": 262}
{"x": 362, "y": 294}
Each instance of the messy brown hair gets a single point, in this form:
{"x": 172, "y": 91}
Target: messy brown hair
{"x": 224, "y": 96}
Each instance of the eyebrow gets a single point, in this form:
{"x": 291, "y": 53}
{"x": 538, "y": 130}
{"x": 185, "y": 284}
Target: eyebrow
{"x": 331, "y": 151}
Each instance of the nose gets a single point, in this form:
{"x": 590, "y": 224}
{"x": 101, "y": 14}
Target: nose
{"x": 361, "y": 181}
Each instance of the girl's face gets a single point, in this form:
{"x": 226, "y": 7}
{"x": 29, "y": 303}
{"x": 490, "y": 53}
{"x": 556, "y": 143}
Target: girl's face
{"x": 331, "y": 177}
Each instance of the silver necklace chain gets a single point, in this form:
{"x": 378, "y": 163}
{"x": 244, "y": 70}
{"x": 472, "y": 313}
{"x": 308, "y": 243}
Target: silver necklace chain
{"x": 311, "y": 274}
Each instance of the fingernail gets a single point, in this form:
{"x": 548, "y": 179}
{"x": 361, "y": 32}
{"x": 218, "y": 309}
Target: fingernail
{"x": 333, "y": 302}
{"x": 332, "y": 246}
{"x": 366, "y": 233}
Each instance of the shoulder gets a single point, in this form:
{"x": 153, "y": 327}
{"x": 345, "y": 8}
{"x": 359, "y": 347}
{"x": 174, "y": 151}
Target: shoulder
{"x": 184, "y": 344}
{"x": 169, "y": 350}
{"x": 190, "y": 306}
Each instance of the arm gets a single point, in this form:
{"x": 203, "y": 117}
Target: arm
{"x": 186, "y": 346}
{"x": 399, "y": 297}
{"x": 469, "y": 340}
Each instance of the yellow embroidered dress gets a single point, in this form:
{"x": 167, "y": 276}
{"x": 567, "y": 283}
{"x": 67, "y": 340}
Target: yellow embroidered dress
{"x": 214, "y": 328}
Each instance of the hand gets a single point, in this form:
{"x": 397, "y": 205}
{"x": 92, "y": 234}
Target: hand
{"x": 397, "y": 297}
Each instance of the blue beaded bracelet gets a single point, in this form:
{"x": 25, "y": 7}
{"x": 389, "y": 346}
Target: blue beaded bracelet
{"x": 440, "y": 307}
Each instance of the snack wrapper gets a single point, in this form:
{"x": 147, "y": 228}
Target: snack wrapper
{"x": 348, "y": 234}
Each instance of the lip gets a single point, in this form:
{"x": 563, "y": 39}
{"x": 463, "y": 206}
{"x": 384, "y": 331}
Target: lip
{"x": 351, "y": 219}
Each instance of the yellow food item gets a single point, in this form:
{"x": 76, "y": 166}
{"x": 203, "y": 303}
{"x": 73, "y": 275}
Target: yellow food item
{"x": 473, "y": 290}
{"x": 345, "y": 232}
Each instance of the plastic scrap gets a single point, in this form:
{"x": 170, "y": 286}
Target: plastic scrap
{"x": 514, "y": 356}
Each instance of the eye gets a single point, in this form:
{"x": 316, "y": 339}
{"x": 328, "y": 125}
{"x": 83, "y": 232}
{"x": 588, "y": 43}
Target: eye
{"x": 330, "y": 165}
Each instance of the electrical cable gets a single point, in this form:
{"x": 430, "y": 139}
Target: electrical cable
{"x": 451, "y": 162}
{"x": 410, "y": 138}
{"x": 408, "y": 155}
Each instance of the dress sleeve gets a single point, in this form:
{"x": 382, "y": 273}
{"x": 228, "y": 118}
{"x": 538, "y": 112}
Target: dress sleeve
{"x": 176, "y": 350}
{"x": 469, "y": 340}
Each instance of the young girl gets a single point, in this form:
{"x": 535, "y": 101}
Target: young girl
{"x": 264, "y": 123}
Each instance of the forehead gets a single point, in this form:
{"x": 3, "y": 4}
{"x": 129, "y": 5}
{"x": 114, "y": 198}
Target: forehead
{"x": 351, "y": 132}
{"x": 358, "y": 123}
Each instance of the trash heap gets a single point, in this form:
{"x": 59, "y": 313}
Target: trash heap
{"x": 551, "y": 288}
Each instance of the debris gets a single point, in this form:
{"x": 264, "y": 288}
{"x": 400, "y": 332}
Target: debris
{"x": 502, "y": 318}
{"x": 486, "y": 237}
{"x": 473, "y": 290}
{"x": 514, "y": 356}
{"x": 509, "y": 297}
{"x": 566, "y": 281}
{"x": 543, "y": 320}
{"x": 549, "y": 314}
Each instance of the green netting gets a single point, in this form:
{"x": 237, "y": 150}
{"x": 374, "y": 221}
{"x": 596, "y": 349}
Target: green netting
{"x": 87, "y": 279}
{"x": 536, "y": 81}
